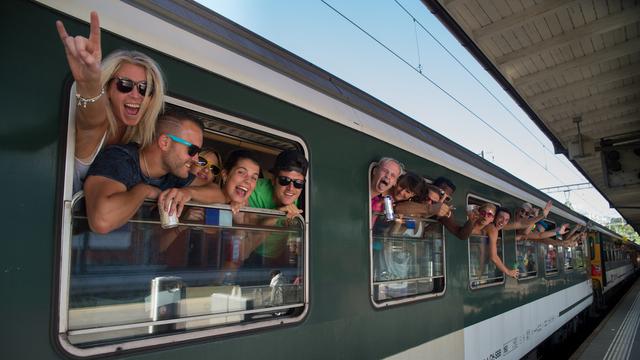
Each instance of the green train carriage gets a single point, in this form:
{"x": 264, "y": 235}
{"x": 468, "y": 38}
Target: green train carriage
{"x": 72, "y": 295}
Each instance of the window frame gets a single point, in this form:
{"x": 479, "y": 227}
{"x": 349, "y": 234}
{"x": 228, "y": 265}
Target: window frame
{"x": 63, "y": 268}
{"x": 534, "y": 245}
{"x": 501, "y": 237}
{"x": 545, "y": 251}
{"x": 391, "y": 303}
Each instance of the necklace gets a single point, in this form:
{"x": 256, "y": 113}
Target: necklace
{"x": 146, "y": 167}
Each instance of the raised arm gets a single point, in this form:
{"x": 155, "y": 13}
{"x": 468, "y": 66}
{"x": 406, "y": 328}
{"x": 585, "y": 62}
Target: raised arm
{"x": 110, "y": 205}
{"x": 536, "y": 235}
{"x": 84, "y": 57}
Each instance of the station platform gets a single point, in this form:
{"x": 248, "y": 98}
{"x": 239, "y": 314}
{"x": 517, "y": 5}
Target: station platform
{"x": 617, "y": 337}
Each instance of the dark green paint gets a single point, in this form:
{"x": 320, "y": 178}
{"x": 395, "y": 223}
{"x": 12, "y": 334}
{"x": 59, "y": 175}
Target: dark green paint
{"x": 341, "y": 322}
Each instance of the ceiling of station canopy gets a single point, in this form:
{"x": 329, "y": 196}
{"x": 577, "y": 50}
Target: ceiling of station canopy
{"x": 574, "y": 67}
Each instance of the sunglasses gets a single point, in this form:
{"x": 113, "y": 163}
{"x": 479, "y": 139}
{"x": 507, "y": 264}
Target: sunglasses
{"x": 486, "y": 214}
{"x": 215, "y": 170}
{"x": 285, "y": 181}
{"x": 191, "y": 149}
{"x": 125, "y": 86}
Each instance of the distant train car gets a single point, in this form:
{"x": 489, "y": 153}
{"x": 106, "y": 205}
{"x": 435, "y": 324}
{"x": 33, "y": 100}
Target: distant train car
{"x": 613, "y": 262}
{"x": 346, "y": 287}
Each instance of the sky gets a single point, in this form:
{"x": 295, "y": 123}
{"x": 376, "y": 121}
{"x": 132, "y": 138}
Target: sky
{"x": 314, "y": 31}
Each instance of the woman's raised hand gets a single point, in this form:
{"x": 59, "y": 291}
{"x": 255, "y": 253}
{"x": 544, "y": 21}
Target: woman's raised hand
{"x": 84, "y": 55}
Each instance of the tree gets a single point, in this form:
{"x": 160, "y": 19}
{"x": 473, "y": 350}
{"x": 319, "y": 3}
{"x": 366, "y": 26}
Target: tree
{"x": 621, "y": 227}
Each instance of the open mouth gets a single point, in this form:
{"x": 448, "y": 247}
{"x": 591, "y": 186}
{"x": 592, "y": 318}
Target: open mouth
{"x": 132, "y": 109}
{"x": 241, "y": 191}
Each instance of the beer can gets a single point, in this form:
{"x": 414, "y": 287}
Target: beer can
{"x": 168, "y": 221}
{"x": 388, "y": 208}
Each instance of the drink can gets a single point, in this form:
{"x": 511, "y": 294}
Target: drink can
{"x": 168, "y": 221}
{"x": 388, "y": 208}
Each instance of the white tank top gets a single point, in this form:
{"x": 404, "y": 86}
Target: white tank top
{"x": 81, "y": 166}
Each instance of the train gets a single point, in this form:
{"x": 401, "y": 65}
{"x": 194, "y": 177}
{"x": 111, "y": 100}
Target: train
{"x": 347, "y": 289}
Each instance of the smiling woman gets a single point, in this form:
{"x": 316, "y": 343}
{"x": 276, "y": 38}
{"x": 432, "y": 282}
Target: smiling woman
{"x": 130, "y": 95}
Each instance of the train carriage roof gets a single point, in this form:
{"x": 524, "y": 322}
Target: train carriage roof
{"x": 210, "y": 26}
{"x": 574, "y": 67}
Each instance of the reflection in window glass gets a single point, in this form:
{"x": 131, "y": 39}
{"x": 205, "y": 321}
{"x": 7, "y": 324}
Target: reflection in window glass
{"x": 579, "y": 255}
{"x": 215, "y": 269}
{"x": 482, "y": 271}
{"x": 568, "y": 257}
{"x": 550, "y": 259}
{"x": 408, "y": 258}
{"x": 527, "y": 258}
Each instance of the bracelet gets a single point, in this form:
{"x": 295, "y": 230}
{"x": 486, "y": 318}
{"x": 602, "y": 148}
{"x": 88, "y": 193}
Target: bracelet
{"x": 84, "y": 101}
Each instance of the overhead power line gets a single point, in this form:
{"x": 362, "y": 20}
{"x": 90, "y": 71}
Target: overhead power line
{"x": 419, "y": 71}
{"x": 565, "y": 188}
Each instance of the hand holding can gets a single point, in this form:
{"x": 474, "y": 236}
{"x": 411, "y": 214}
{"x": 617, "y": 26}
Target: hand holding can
{"x": 167, "y": 221}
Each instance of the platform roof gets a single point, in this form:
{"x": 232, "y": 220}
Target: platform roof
{"x": 574, "y": 67}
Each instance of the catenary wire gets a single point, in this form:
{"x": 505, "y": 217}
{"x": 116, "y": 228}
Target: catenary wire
{"x": 448, "y": 94}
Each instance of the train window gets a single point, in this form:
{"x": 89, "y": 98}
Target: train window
{"x": 579, "y": 256}
{"x": 407, "y": 258}
{"x": 527, "y": 259}
{"x": 568, "y": 256}
{"x": 482, "y": 271}
{"x": 213, "y": 274}
{"x": 550, "y": 251}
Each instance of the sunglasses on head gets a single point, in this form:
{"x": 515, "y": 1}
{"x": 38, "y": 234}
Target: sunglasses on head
{"x": 125, "y": 86}
{"x": 485, "y": 213}
{"x": 191, "y": 149}
{"x": 285, "y": 181}
{"x": 215, "y": 170}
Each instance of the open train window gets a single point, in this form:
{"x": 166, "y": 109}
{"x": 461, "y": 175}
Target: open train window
{"x": 482, "y": 271}
{"x": 213, "y": 274}
{"x": 407, "y": 254}
{"x": 579, "y": 253}
{"x": 550, "y": 252}
{"x": 527, "y": 259}
{"x": 568, "y": 254}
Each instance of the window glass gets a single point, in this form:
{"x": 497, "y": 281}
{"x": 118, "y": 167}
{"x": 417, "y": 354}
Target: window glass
{"x": 550, "y": 259}
{"x": 579, "y": 255}
{"x": 550, "y": 252}
{"x": 568, "y": 256}
{"x": 408, "y": 258}
{"x": 527, "y": 259}
{"x": 212, "y": 270}
{"x": 482, "y": 271}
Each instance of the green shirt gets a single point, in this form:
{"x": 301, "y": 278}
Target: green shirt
{"x": 262, "y": 195}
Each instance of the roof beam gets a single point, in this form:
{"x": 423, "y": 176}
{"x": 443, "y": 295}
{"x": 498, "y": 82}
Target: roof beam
{"x": 597, "y": 115}
{"x": 528, "y": 14}
{"x": 600, "y": 26}
{"x": 600, "y": 79}
{"x": 581, "y": 103}
{"x": 626, "y": 121}
{"x": 606, "y": 54}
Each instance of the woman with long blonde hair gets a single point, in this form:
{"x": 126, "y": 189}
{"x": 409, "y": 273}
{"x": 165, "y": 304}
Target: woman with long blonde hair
{"x": 118, "y": 98}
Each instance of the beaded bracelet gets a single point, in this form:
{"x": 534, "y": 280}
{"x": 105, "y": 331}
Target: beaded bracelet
{"x": 84, "y": 101}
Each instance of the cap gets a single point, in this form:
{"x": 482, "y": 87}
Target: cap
{"x": 527, "y": 206}
{"x": 291, "y": 160}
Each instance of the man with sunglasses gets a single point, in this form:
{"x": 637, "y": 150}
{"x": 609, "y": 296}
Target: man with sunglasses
{"x": 123, "y": 176}
{"x": 282, "y": 192}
